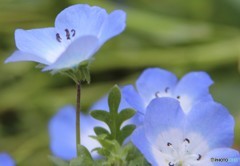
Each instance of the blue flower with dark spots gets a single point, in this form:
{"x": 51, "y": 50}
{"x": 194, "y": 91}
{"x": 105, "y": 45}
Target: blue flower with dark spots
{"x": 156, "y": 83}
{"x": 80, "y": 30}
{"x": 170, "y": 137}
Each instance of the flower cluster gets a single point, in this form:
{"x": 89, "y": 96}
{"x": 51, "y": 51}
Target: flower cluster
{"x": 178, "y": 123}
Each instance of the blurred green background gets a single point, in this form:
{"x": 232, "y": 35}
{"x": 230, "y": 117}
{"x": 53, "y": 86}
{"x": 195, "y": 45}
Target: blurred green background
{"x": 178, "y": 35}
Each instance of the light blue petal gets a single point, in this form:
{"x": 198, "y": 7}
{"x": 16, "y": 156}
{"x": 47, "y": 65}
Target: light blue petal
{"x": 154, "y": 80}
{"x": 62, "y": 133}
{"x": 163, "y": 114}
{"x": 79, "y": 50}
{"x": 229, "y": 157}
{"x": 213, "y": 122}
{"x": 114, "y": 25}
{"x": 6, "y": 160}
{"x": 39, "y": 42}
{"x": 83, "y": 19}
{"x": 141, "y": 142}
{"x": 133, "y": 98}
{"x": 21, "y": 56}
{"x": 192, "y": 88}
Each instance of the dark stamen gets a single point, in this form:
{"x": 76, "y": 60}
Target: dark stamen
{"x": 169, "y": 144}
{"x": 73, "y": 32}
{"x": 166, "y": 89}
{"x": 170, "y": 164}
{"x": 178, "y": 97}
{"x": 199, "y": 157}
{"x": 156, "y": 94}
{"x": 67, "y": 34}
{"x": 187, "y": 140}
{"x": 58, "y": 37}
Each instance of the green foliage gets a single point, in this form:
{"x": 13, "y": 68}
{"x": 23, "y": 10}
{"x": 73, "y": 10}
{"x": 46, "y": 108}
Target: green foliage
{"x": 84, "y": 159}
{"x": 80, "y": 73}
{"x": 117, "y": 155}
{"x": 114, "y": 119}
{"x": 111, "y": 141}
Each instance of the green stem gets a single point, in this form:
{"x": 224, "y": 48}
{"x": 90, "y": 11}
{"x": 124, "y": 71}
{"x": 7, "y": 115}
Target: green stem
{"x": 78, "y": 137}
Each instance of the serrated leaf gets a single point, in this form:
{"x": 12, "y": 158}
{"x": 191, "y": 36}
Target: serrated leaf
{"x": 101, "y": 115}
{"x": 127, "y": 131}
{"x": 101, "y": 130}
{"x": 139, "y": 161}
{"x": 84, "y": 153}
{"x": 102, "y": 151}
{"x": 114, "y": 119}
{"x": 85, "y": 157}
{"x": 125, "y": 114}
{"x": 104, "y": 142}
{"x": 58, "y": 161}
{"x": 114, "y": 99}
{"x": 80, "y": 162}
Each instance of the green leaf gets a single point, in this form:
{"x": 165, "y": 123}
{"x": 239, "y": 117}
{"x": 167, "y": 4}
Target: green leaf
{"x": 139, "y": 161}
{"x": 101, "y": 115}
{"x": 127, "y": 131}
{"x": 135, "y": 157}
{"x": 101, "y": 130}
{"x": 84, "y": 153}
{"x": 114, "y": 119}
{"x": 114, "y": 99}
{"x": 84, "y": 159}
{"x": 79, "y": 73}
{"x": 58, "y": 161}
{"x": 125, "y": 114}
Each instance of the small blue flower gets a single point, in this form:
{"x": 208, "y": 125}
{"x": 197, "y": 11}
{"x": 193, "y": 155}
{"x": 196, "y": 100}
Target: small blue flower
{"x": 170, "y": 137}
{"x": 62, "y": 131}
{"x": 80, "y": 30}
{"x": 156, "y": 83}
{"x": 6, "y": 160}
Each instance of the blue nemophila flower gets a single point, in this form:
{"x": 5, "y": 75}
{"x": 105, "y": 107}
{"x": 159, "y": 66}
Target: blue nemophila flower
{"x": 62, "y": 131}
{"x": 169, "y": 137}
{"x": 156, "y": 83}
{"x": 6, "y": 160}
{"x": 80, "y": 30}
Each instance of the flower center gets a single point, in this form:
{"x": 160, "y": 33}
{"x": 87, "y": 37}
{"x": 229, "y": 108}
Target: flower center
{"x": 181, "y": 155}
{"x": 69, "y": 34}
{"x": 185, "y": 101}
{"x": 166, "y": 93}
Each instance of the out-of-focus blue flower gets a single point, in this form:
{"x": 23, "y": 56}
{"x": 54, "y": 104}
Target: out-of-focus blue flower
{"x": 62, "y": 131}
{"x": 170, "y": 137}
{"x": 80, "y": 30}
{"x": 156, "y": 83}
{"x": 6, "y": 160}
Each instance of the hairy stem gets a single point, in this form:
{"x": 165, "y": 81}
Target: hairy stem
{"x": 78, "y": 137}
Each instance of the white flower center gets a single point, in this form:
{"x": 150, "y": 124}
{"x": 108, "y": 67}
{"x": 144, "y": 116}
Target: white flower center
{"x": 182, "y": 156}
{"x": 179, "y": 150}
